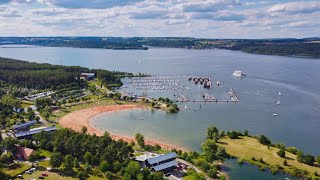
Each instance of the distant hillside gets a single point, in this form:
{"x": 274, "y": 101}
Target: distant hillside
{"x": 307, "y": 47}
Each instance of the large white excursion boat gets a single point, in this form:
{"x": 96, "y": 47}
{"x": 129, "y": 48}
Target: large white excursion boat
{"x": 239, "y": 74}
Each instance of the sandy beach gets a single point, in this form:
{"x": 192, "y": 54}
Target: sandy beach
{"x": 76, "y": 120}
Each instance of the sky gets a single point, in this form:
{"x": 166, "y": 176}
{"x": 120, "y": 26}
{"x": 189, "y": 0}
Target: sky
{"x": 161, "y": 18}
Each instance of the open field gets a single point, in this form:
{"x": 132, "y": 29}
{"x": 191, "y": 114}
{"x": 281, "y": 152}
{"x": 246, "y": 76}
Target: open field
{"x": 248, "y": 147}
{"x": 16, "y": 169}
{"x": 56, "y": 176}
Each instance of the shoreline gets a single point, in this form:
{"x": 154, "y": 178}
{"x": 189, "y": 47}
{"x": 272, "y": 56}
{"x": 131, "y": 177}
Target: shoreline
{"x": 76, "y": 120}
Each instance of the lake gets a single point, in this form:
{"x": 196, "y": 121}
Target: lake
{"x": 297, "y": 123}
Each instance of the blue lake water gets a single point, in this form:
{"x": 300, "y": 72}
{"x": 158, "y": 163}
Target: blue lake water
{"x": 298, "y": 122}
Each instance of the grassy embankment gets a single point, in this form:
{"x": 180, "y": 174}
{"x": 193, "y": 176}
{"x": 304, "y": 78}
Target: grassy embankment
{"x": 249, "y": 149}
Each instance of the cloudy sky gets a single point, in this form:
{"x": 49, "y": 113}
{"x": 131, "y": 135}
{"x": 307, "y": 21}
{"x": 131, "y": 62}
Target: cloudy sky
{"x": 187, "y": 18}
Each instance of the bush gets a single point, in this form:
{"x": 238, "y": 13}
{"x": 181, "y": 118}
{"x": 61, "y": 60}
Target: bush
{"x": 274, "y": 169}
{"x": 261, "y": 160}
{"x": 232, "y": 134}
{"x": 35, "y": 156}
{"x": 281, "y": 153}
{"x": 212, "y": 173}
{"x": 104, "y": 166}
{"x": 264, "y": 140}
{"x": 293, "y": 150}
{"x": 6, "y": 158}
{"x": 240, "y": 161}
{"x": 82, "y": 175}
{"x": 223, "y": 178}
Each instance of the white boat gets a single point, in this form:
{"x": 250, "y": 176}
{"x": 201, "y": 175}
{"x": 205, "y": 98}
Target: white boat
{"x": 275, "y": 114}
{"x": 279, "y": 94}
{"x": 218, "y": 83}
{"x": 278, "y": 103}
{"x": 239, "y": 74}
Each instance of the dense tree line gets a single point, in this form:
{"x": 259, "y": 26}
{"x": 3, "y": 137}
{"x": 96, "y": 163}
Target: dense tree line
{"x": 47, "y": 76}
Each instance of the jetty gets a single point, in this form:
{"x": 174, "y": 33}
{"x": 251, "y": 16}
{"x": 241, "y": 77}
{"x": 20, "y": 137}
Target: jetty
{"x": 208, "y": 98}
{"x": 157, "y": 83}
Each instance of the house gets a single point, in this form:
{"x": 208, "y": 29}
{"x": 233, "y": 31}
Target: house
{"x": 23, "y": 153}
{"x": 28, "y": 134}
{"x": 24, "y": 126}
{"x": 87, "y": 76}
{"x": 165, "y": 163}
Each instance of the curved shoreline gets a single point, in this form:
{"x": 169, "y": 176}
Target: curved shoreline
{"x": 76, "y": 120}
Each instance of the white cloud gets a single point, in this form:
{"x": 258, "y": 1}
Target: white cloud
{"x": 296, "y": 7}
{"x": 195, "y": 18}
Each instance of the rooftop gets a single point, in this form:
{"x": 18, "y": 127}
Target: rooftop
{"x": 35, "y": 131}
{"x": 165, "y": 165}
{"x": 162, "y": 158}
{"x": 30, "y": 123}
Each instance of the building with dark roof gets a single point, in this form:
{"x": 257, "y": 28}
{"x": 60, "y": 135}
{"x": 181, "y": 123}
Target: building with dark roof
{"x": 87, "y": 76}
{"x": 28, "y": 134}
{"x": 24, "y": 126}
{"x": 165, "y": 163}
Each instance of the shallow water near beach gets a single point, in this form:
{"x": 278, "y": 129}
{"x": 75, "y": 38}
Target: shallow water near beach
{"x": 297, "y": 123}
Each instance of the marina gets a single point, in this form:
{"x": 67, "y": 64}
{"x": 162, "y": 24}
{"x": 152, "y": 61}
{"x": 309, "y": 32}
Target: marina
{"x": 157, "y": 83}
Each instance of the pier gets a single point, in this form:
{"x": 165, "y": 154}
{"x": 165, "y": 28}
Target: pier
{"x": 207, "y": 98}
{"x": 157, "y": 83}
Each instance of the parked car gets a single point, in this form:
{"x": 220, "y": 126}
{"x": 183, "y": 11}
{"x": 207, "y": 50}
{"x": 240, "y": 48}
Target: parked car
{"x": 28, "y": 172}
{"x": 49, "y": 169}
{"x": 41, "y": 177}
{"x": 20, "y": 176}
{"x": 44, "y": 174}
{"x": 33, "y": 169}
{"x": 36, "y": 162}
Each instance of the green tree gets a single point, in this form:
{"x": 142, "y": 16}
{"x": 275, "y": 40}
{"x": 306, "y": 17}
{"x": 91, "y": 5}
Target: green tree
{"x": 212, "y": 133}
{"x": 84, "y": 129}
{"x": 68, "y": 163}
{"x": 221, "y": 152}
{"x": 6, "y": 158}
{"x": 132, "y": 169}
{"x": 140, "y": 139}
{"x": 88, "y": 158}
{"x": 213, "y": 173}
{"x": 210, "y": 148}
{"x": 318, "y": 160}
{"x": 104, "y": 166}
{"x": 232, "y": 134}
{"x": 76, "y": 163}
{"x": 9, "y": 144}
{"x": 155, "y": 176}
{"x": 82, "y": 175}
{"x": 281, "y": 153}
{"x": 35, "y": 156}
{"x": 246, "y": 133}
{"x": 56, "y": 160}
{"x": 264, "y": 140}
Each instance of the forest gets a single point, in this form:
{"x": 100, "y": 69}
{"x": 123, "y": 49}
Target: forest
{"x": 46, "y": 76}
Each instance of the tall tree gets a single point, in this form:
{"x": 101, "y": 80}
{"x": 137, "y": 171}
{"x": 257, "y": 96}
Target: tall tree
{"x": 68, "y": 162}
{"x": 140, "y": 139}
{"x": 56, "y": 160}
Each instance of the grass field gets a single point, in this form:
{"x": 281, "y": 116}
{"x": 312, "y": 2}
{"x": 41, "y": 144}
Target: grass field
{"x": 248, "y": 147}
{"x": 15, "y": 169}
{"x": 55, "y": 176}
